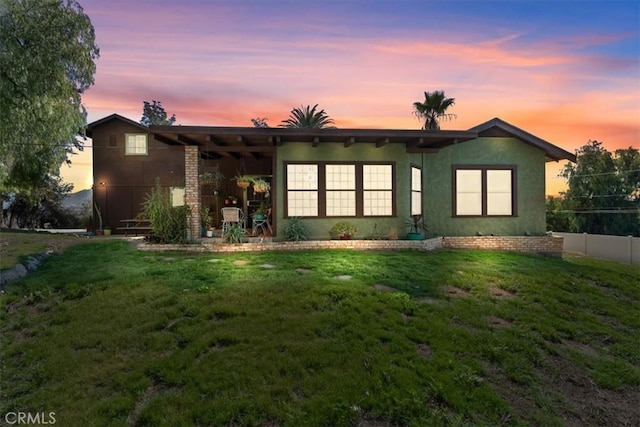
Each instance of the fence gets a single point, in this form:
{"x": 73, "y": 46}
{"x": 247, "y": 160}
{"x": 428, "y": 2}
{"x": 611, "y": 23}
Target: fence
{"x": 614, "y": 248}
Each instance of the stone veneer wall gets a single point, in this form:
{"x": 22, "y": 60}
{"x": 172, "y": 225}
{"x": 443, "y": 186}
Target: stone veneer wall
{"x": 545, "y": 245}
{"x": 192, "y": 188}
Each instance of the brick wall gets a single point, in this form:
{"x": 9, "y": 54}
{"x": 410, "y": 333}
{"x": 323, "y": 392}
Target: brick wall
{"x": 192, "y": 188}
{"x": 546, "y": 245}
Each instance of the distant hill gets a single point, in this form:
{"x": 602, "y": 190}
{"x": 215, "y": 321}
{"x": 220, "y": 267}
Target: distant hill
{"x": 78, "y": 202}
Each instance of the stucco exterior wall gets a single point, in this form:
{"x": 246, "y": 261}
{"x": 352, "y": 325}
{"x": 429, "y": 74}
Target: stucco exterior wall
{"x": 359, "y": 152}
{"x": 438, "y": 203}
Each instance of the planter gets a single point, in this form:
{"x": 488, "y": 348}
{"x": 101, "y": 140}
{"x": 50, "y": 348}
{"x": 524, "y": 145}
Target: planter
{"x": 209, "y": 233}
{"x": 259, "y": 217}
{"x": 345, "y": 237}
{"x": 107, "y": 232}
{"x": 243, "y": 184}
{"x": 203, "y": 231}
{"x": 415, "y": 236}
{"x": 99, "y": 232}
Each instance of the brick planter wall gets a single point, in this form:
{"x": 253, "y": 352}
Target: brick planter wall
{"x": 545, "y": 245}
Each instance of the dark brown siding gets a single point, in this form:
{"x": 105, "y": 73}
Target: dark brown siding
{"x": 127, "y": 179}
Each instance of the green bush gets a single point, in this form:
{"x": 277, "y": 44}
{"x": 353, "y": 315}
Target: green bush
{"x": 296, "y": 230}
{"x": 235, "y": 234}
{"x": 169, "y": 224}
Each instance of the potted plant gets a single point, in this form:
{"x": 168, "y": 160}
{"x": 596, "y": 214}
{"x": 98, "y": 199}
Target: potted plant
{"x": 205, "y": 220}
{"x": 99, "y": 231}
{"x": 211, "y": 178}
{"x": 107, "y": 230}
{"x": 261, "y": 186}
{"x": 343, "y": 230}
{"x": 243, "y": 181}
{"x": 416, "y": 226}
{"x": 261, "y": 212}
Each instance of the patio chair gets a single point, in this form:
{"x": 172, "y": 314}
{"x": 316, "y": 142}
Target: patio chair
{"x": 262, "y": 224}
{"x": 231, "y": 216}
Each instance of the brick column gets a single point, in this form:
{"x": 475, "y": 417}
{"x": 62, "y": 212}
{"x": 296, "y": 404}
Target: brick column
{"x": 192, "y": 188}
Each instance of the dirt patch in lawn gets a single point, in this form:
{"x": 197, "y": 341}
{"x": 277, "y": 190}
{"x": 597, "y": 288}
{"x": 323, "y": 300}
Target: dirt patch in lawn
{"x": 570, "y": 392}
{"x": 455, "y": 292}
{"x": 500, "y": 293}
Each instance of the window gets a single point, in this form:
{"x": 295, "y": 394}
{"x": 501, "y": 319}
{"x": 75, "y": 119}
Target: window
{"x": 484, "y": 191}
{"x": 136, "y": 144}
{"x": 340, "y": 189}
{"x": 416, "y": 190}
{"x": 302, "y": 190}
{"x": 377, "y": 186}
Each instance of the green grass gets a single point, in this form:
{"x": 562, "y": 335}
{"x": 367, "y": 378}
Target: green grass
{"x": 106, "y": 335}
{"x": 16, "y": 246}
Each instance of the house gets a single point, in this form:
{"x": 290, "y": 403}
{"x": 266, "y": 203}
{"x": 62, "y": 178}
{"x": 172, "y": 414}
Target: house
{"x": 487, "y": 180}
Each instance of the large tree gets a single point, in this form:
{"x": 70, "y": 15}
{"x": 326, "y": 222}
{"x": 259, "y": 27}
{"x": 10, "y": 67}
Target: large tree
{"x": 153, "y": 113}
{"x": 308, "y": 117}
{"x": 604, "y": 190}
{"x": 433, "y": 109}
{"x": 47, "y": 60}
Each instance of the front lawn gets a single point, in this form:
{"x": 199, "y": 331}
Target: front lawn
{"x": 106, "y": 335}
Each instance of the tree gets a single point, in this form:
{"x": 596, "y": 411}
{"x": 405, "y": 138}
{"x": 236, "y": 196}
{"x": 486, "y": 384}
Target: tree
{"x": 308, "y": 117}
{"x": 604, "y": 190}
{"x": 559, "y": 217}
{"x": 260, "y": 122}
{"x": 48, "y": 53}
{"x": 154, "y": 114}
{"x": 40, "y": 206}
{"x": 433, "y": 109}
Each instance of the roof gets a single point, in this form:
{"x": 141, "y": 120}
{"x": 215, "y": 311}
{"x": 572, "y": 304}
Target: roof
{"x": 500, "y": 128}
{"x": 242, "y": 141}
{"x": 218, "y": 141}
{"x": 91, "y": 126}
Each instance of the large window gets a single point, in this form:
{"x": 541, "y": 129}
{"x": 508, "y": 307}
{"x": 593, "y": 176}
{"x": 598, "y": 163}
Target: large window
{"x": 341, "y": 190}
{"x": 349, "y": 189}
{"x": 484, "y": 191}
{"x": 302, "y": 190}
{"x": 136, "y": 144}
{"x": 377, "y": 190}
{"x": 416, "y": 190}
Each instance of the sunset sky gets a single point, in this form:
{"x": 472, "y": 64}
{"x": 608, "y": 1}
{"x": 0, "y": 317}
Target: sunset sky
{"x": 567, "y": 71}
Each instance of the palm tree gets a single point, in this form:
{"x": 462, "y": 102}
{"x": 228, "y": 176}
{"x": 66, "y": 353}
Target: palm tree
{"x": 433, "y": 109}
{"x": 308, "y": 117}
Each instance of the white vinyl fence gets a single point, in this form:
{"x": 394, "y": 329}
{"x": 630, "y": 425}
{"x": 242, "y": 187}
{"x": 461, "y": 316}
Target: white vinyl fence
{"x": 615, "y": 248}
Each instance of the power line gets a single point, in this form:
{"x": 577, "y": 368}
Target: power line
{"x": 596, "y": 174}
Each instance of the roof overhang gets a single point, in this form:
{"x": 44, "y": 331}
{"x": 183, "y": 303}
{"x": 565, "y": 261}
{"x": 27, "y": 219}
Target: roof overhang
{"x": 499, "y": 128}
{"x": 217, "y": 141}
{"x": 91, "y": 126}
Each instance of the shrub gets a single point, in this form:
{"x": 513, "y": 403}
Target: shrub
{"x": 169, "y": 224}
{"x": 343, "y": 230}
{"x": 296, "y": 230}
{"x": 235, "y": 234}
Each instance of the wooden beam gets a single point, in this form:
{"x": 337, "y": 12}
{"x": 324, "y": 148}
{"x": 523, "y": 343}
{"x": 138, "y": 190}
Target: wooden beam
{"x": 242, "y": 149}
{"x": 275, "y": 140}
{"x": 382, "y": 142}
{"x": 165, "y": 140}
{"x": 186, "y": 140}
{"x": 316, "y": 141}
{"x": 213, "y": 139}
{"x": 349, "y": 142}
{"x": 415, "y": 143}
{"x": 241, "y": 140}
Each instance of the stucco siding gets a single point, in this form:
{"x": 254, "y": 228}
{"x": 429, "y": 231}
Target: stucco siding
{"x": 530, "y": 174}
{"x": 359, "y": 152}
